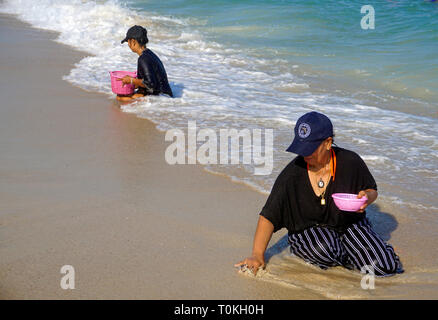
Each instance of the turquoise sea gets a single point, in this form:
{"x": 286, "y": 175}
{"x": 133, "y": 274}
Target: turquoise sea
{"x": 396, "y": 58}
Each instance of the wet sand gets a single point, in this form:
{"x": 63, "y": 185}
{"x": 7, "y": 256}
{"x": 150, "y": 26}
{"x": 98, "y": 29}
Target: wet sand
{"x": 86, "y": 185}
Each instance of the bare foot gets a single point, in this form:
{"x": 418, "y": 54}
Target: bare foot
{"x": 124, "y": 98}
{"x": 129, "y": 98}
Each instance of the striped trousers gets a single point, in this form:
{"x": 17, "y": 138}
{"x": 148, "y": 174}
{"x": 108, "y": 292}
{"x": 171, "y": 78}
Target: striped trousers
{"x": 359, "y": 247}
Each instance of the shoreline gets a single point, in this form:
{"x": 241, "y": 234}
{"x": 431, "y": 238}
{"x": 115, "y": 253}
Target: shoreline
{"x": 86, "y": 185}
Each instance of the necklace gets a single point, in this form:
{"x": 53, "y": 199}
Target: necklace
{"x": 323, "y": 198}
{"x": 321, "y": 183}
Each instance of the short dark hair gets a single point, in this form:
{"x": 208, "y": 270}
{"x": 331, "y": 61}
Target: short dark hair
{"x": 143, "y": 39}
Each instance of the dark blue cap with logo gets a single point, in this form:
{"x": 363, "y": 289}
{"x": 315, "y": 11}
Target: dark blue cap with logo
{"x": 310, "y": 130}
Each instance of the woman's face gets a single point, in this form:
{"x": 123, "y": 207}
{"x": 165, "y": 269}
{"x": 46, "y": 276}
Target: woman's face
{"x": 319, "y": 156}
{"x": 133, "y": 44}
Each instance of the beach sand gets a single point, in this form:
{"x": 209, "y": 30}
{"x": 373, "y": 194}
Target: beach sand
{"x": 86, "y": 185}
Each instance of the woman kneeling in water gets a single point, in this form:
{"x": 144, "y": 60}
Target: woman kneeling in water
{"x": 151, "y": 75}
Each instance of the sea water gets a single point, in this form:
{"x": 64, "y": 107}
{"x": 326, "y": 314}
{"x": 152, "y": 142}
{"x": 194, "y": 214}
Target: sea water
{"x": 262, "y": 64}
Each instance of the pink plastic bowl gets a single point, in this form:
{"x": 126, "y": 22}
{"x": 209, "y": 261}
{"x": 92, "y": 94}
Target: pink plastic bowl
{"x": 348, "y": 201}
{"x": 117, "y": 86}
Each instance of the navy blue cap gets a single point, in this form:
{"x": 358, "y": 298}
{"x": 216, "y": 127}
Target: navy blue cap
{"x": 310, "y": 130}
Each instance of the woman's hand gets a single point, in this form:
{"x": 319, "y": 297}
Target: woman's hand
{"x": 371, "y": 194}
{"x": 252, "y": 263}
{"x": 261, "y": 239}
{"x": 130, "y": 80}
{"x": 127, "y": 80}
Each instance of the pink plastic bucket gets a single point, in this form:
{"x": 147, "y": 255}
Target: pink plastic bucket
{"x": 348, "y": 201}
{"x": 117, "y": 86}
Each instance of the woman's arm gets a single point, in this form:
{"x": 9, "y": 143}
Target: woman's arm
{"x": 261, "y": 239}
{"x": 134, "y": 81}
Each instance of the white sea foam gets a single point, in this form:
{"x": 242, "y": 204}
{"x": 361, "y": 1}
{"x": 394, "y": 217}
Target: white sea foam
{"x": 376, "y": 159}
{"x": 360, "y": 141}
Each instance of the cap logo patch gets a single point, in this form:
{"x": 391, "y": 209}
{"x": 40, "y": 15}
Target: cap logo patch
{"x": 304, "y": 130}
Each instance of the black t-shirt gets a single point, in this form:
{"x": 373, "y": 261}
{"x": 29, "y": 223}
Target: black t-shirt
{"x": 151, "y": 70}
{"x": 294, "y": 205}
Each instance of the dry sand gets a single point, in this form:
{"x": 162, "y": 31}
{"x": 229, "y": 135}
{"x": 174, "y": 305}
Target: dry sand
{"x": 84, "y": 184}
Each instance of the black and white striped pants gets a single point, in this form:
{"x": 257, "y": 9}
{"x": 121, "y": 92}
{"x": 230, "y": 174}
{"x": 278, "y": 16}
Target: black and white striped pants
{"x": 358, "y": 247}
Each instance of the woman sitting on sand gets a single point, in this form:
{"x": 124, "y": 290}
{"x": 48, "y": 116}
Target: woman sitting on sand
{"x": 151, "y": 75}
{"x": 301, "y": 201}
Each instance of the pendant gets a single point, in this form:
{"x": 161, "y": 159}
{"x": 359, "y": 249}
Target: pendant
{"x": 321, "y": 183}
{"x": 322, "y": 201}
